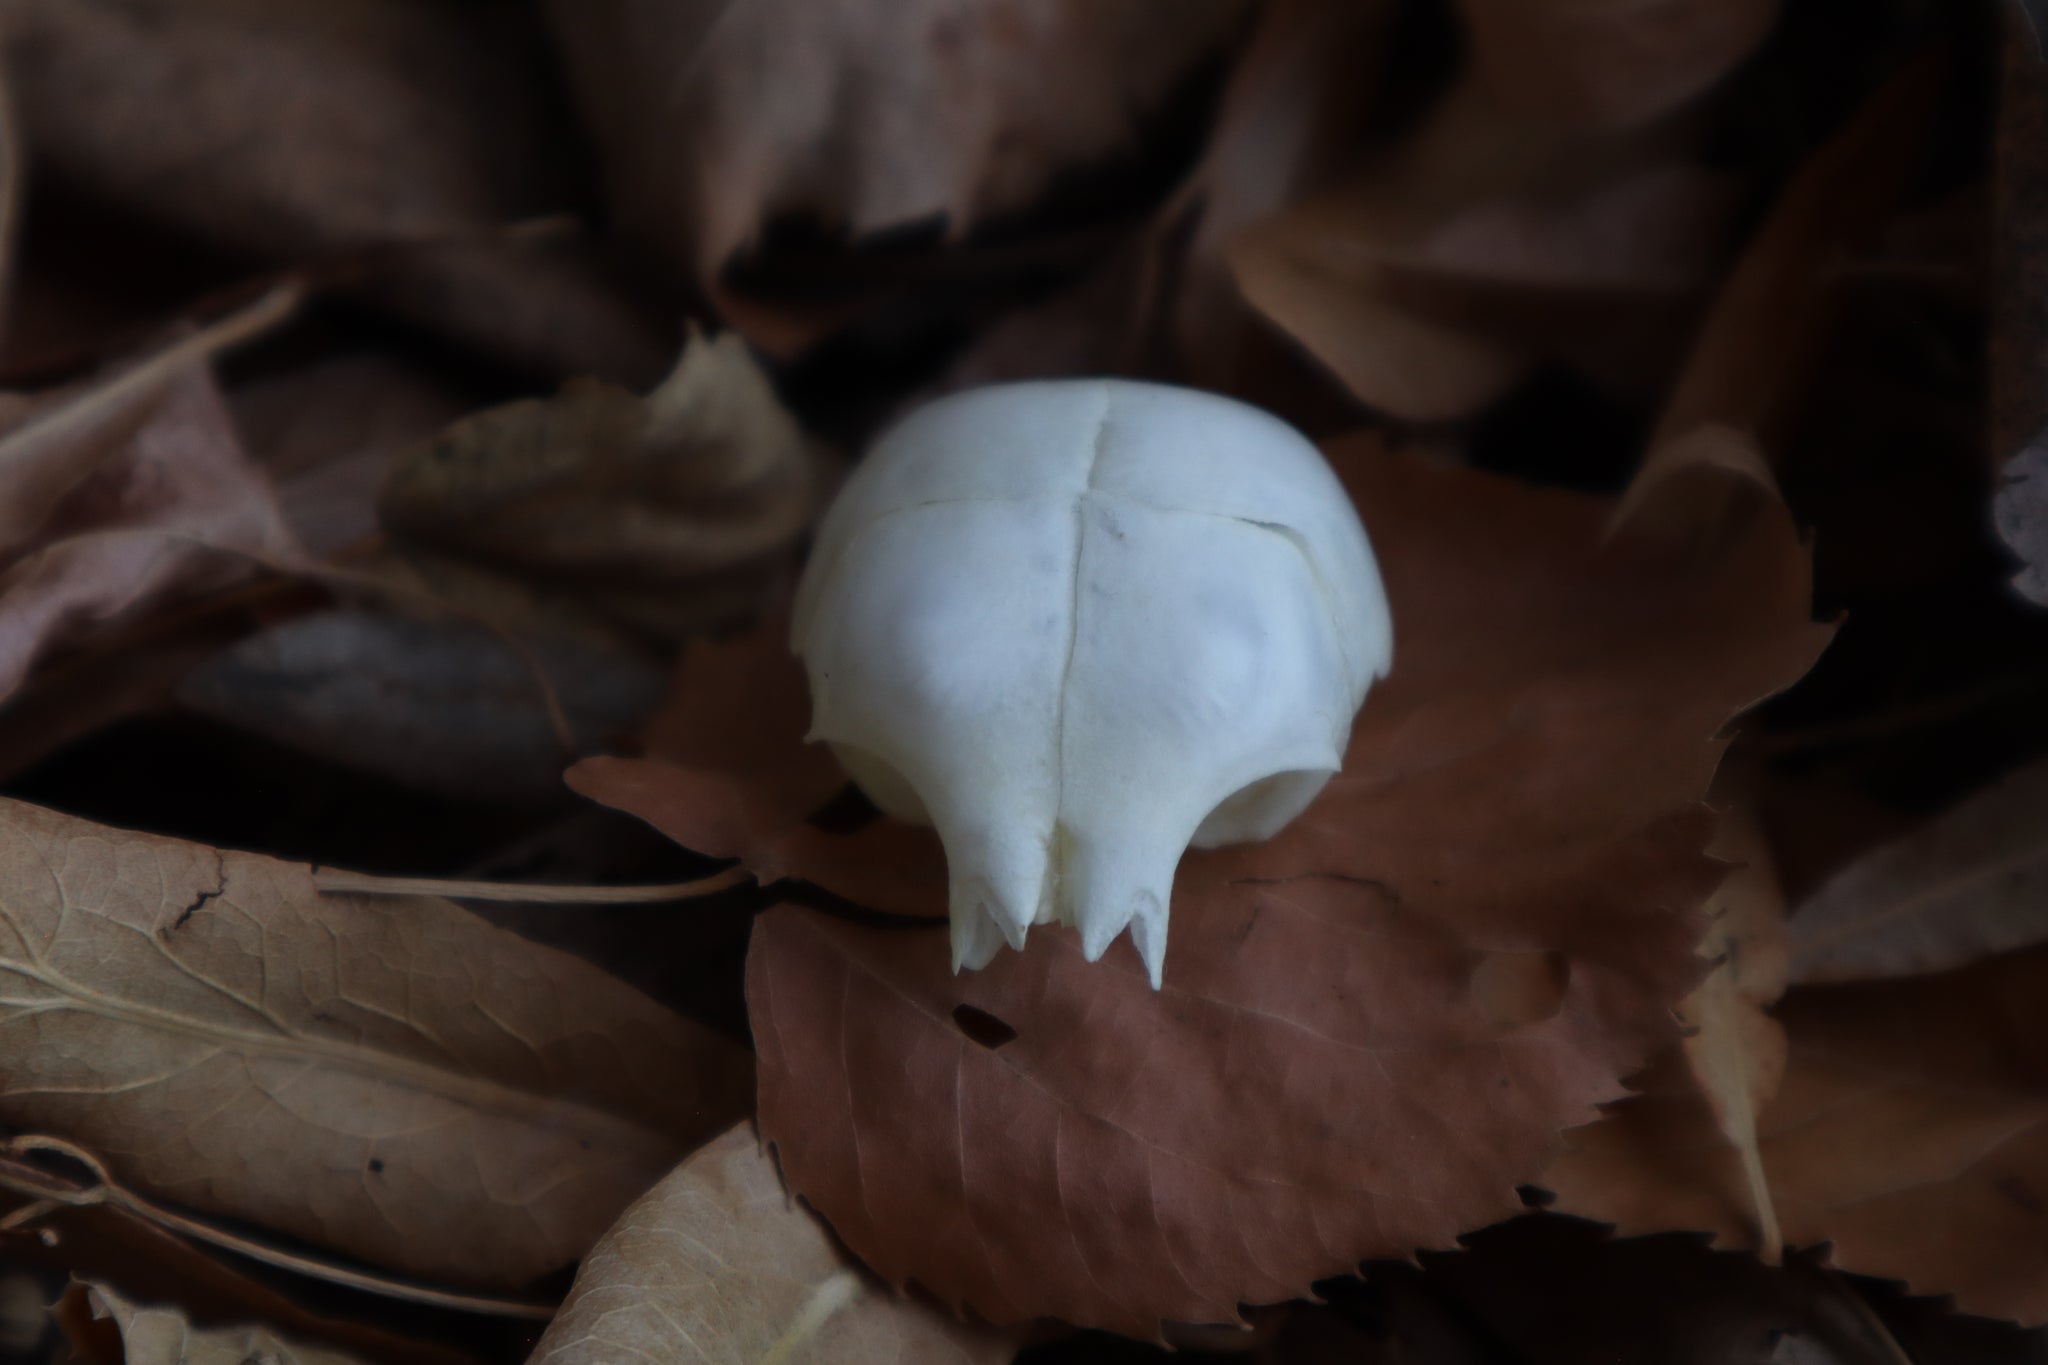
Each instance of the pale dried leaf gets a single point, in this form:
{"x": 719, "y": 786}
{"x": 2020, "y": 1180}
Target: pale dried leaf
{"x": 720, "y": 1264}
{"x": 151, "y": 1335}
{"x": 1971, "y": 883}
{"x": 716, "y": 116}
{"x": 393, "y": 1078}
{"x": 601, "y": 488}
{"x": 1736, "y": 1051}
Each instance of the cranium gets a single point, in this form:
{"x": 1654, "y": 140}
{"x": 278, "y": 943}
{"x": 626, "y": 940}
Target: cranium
{"x": 1077, "y": 626}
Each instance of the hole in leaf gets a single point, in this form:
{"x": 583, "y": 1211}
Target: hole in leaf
{"x": 848, "y": 812}
{"x": 983, "y": 1027}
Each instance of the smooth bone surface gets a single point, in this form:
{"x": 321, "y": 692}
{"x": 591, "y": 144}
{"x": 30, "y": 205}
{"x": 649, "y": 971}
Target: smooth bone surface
{"x": 1079, "y": 625}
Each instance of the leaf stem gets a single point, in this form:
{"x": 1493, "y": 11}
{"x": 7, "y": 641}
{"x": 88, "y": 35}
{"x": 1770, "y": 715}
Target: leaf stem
{"x": 334, "y": 881}
{"x": 51, "y": 1191}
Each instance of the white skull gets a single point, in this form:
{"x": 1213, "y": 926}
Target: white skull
{"x": 1079, "y": 625}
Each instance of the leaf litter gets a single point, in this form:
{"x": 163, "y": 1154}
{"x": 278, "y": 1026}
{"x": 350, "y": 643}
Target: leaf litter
{"x": 1569, "y": 290}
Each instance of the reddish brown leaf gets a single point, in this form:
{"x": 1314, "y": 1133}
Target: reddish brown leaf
{"x": 1373, "y": 1025}
{"x": 1910, "y": 1132}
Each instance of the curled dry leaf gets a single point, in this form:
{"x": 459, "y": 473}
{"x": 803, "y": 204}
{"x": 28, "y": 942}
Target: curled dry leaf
{"x": 719, "y": 1263}
{"x": 445, "y": 706}
{"x": 715, "y": 117}
{"x": 623, "y": 498}
{"x": 1910, "y": 1132}
{"x": 117, "y": 497}
{"x": 393, "y": 1078}
{"x": 146, "y": 1335}
{"x": 296, "y": 128}
{"x": 1373, "y": 1025}
{"x": 1970, "y": 883}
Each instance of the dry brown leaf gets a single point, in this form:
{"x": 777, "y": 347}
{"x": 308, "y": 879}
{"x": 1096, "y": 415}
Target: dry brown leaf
{"x": 1289, "y": 118}
{"x": 1910, "y": 1132}
{"x": 145, "y": 1335}
{"x": 392, "y": 1078}
{"x": 1735, "y": 1050}
{"x": 1970, "y": 883}
{"x": 720, "y": 1263}
{"x": 1756, "y": 345}
{"x": 1435, "y": 319}
{"x": 292, "y": 128}
{"x": 1408, "y": 367}
{"x": 1608, "y": 63}
{"x": 173, "y": 506}
{"x": 1373, "y": 1025}
{"x": 627, "y": 499}
{"x": 715, "y": 117}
